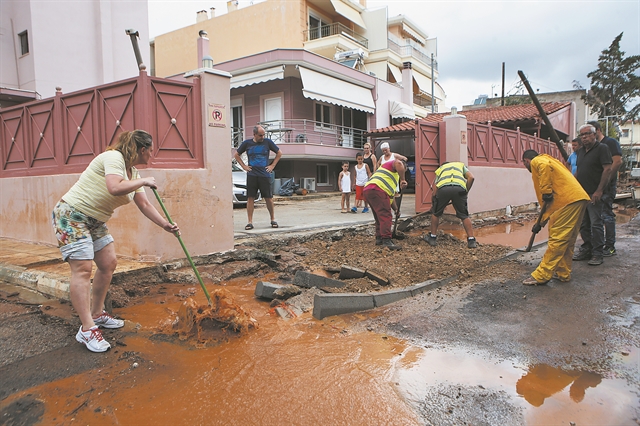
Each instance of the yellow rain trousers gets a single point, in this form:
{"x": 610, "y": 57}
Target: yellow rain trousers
{"x": 564, "y": 227}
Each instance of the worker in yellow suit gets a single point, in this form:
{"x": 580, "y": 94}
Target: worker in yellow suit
{"x": 565, "y": 202}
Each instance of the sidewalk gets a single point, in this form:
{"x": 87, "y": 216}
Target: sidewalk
{"x": 40, "y": 267}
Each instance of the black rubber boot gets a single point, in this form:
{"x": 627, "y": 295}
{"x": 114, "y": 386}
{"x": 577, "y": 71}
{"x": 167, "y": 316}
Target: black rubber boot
{"x": 388, "y": 243}
{"x": 378, "y": 241}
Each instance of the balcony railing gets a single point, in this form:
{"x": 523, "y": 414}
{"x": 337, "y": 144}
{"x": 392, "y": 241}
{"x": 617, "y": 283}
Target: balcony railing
{"x": 409, "y": 50}
{"x": 308, "y": 132}
{"x": 335, "y": 29}
{"x": 424, "y": 102}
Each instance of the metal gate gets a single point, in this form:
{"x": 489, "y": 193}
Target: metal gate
{"x": 429, "y": 149}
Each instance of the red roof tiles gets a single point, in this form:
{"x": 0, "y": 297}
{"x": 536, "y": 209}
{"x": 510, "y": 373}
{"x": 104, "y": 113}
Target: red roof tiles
{"x": 495, "y": 115}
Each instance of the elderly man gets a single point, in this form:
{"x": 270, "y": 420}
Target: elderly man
{"x": 609, "y": 195}
{"x": 594, "y": 171}
{"x": 258, "y": 171}
{"x": 564, "y": 202}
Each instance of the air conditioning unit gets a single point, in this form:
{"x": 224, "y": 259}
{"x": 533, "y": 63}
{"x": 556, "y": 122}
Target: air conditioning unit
{"x": 349, "y": 54}
{"x": 308, "y": 183}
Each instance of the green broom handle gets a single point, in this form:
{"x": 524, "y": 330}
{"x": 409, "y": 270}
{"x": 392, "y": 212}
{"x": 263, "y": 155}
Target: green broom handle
{"x": 166, "y": 213}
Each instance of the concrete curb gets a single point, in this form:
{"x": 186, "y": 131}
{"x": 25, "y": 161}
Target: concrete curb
{"x": 43, "y": 282}
{"x": 326, "y": 305}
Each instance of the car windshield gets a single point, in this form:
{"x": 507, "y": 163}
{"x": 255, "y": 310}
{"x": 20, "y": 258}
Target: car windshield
{"x": 236, "y": 168}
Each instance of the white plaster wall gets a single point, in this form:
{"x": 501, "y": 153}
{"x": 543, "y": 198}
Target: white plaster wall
{"x": 385, "y": 92}
{"x": 495, "y": 188}
{"x": 16, "y": 71}
{"x": 80, "y": 44}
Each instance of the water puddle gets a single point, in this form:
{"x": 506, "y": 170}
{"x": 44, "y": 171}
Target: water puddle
{"x": 544, "y": 394}
{"x": 512, "y": 234}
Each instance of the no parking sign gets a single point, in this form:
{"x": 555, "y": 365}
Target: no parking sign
{"x": 217, "y": 115}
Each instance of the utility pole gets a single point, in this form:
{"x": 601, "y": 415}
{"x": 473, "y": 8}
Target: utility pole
{"x": 502, "y": 101}
{"x": 433, "y": 108}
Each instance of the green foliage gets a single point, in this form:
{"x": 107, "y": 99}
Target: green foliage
{"x": 615, "y": 83}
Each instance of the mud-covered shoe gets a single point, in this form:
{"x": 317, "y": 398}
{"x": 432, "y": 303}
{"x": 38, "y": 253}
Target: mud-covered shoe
{"x": 472, "y": 243}
{"x": 595, "y": 261}
{"x": 609, "y": 251}
{"x": 432, "y": 240}
{"x": 93, "y": 339}
{"x": 582, "y": 255}
{"x": 562, "y": 280}
{"x": 107, "y": 321}
{"x": 533, "y": 281}
{"x": 388, "y": 243}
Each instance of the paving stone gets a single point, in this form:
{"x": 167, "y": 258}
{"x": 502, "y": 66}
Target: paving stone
{"x": 326, "y": 305}
{"x": 308, "y": 280}
{"x": 266, "y": 290}
{"x": 349, "y": 272}
{"x": 378, "y": 278}
{"x": 423, "y": 287}
{"x": 288, "y": 312}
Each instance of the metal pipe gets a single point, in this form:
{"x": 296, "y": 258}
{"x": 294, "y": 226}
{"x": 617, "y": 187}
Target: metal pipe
{"x": 134, "y": 41}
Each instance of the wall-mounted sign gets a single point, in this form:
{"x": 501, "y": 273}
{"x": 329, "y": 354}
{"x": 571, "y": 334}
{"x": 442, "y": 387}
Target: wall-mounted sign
{"x": 217, "y": 115}
{"x": 463, "y": 137}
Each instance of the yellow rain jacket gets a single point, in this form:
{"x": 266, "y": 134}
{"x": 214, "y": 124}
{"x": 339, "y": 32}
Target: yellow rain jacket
{"x": 550, "y": 176}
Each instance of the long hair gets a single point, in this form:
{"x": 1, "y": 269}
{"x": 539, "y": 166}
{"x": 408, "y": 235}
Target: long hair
{"x": 129, "y": 143}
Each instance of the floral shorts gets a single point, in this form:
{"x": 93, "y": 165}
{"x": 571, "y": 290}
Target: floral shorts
{"x": 79, "y": 236}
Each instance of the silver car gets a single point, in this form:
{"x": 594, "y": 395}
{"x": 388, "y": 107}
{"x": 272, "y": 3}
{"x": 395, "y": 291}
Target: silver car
{"x": 240, "y": 186}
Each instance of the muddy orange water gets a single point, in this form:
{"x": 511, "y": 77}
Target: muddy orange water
{"x": 304, "y": 372}
{"x": 507, "y": 234}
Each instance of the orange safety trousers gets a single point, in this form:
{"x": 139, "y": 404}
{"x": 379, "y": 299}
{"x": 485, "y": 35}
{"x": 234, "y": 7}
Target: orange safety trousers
{"x": 564, "y": 227}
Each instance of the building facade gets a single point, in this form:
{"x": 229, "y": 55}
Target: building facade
{"x": 71, "y": 45}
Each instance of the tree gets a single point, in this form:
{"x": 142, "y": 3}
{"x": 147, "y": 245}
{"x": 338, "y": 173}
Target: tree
{"x": 615, "y": 84}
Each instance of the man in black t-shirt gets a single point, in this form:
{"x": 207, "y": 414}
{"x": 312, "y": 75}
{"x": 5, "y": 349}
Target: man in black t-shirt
{"x": 594, "y": 171}
{"x": 609, "y": 196}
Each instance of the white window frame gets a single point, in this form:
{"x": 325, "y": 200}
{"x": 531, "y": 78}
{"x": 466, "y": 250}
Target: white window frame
{"x": 329, "y": 127}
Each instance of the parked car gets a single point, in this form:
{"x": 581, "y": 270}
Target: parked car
{"x": 240, "y": 186}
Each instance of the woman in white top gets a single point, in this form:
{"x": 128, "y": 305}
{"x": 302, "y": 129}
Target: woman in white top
{"x": 110, "y": 181}
{"x": 387, "y": 155}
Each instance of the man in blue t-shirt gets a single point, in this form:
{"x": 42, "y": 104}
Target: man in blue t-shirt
{"x": 258, "y": 171}
{"x": 609, "y": 195}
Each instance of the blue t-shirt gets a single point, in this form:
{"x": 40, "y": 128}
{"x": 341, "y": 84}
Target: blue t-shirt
{"x": 258, "y": 154}
{"x": 573, "y": 162}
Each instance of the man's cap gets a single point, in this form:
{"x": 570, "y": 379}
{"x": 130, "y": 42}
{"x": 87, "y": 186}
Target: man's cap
{"x": 384, "y": 145}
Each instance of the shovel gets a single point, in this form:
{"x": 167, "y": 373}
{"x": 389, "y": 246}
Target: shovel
{"x": 395, "y": 226}
{"x": 166, "y": 213}
{"x": 533, "y": 234}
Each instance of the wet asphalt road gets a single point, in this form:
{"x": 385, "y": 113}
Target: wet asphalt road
{"x": 588, "y": 326}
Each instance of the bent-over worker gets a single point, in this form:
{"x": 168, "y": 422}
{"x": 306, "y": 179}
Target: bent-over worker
{"x": 453, "y": 183}
{"x": 565, "y": 201}
{"x": 379, "y": 193}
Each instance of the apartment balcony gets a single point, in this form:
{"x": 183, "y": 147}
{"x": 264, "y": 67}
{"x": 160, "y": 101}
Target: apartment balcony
{"x": 408, "y": 52}
{"x": 310, "y": 139}
{"x": 329, "y": 39}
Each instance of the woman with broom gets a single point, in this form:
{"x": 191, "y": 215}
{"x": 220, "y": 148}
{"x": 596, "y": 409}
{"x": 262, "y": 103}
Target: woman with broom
{"x": 110, "y": 181}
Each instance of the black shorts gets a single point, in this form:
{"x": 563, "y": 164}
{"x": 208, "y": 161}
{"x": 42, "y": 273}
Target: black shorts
{"x": 255, "y": 183}
{"x": 455, "y": 194}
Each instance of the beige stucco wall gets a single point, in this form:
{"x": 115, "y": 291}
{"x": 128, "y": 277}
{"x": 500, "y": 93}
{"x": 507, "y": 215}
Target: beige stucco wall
{"x": 199, "y": 200}
{"x": 246, "y": 31}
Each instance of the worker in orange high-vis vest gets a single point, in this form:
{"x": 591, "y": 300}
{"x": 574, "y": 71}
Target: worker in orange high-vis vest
{"x": 565, "y": 205}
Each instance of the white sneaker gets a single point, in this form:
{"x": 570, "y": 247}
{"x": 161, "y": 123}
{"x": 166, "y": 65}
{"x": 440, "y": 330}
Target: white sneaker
{"x": 107, "y": 321}
{"x": 93, "y": 339}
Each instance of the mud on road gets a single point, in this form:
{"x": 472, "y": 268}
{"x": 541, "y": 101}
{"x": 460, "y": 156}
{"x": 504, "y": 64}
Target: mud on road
{"x": 590, "y": 325}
